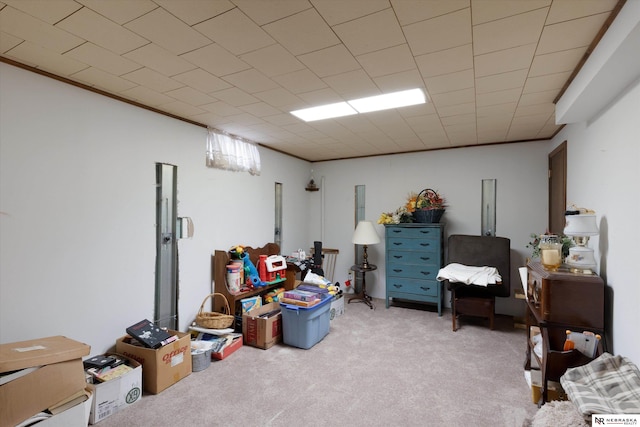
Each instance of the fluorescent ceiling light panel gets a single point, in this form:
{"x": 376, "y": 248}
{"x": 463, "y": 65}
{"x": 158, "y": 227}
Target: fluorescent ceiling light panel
{"x": 389, "y": 100}
{"x": 328, "y": 111}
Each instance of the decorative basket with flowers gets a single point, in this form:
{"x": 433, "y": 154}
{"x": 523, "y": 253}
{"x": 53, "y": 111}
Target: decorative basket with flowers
{"x": 426, "y": 206}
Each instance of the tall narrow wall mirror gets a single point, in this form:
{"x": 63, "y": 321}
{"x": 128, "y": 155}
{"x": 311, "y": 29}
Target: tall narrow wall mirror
{"x": 488, "y": 216}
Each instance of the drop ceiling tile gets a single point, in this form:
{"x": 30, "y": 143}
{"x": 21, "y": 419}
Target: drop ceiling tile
{"x": 509, "y": 32}
{"x": 7, "y": 41}
{"x": 321, "y": 97}
{"x": 159, "y": 59}
{"x": 167, "y": 31}
{"x": 442, "y": 32}
{"x": 502, "y": 61}
{"x": 498, "y": 97}
{"x": 497, "y": 110}
{"x": 570, "y": 34}
{"x": 146, "y": 96}
{"x": 25, "y": 27}
{"x": 556, "y": 62}
{"x": 234, "y": 31}
{"x": 180, "y": 108}
{"x": 446, "y": 61}
{"x": 538, "y": 97}
{"x": 234, "y": 96}
{"x": 353, "y": 84}
{"x": 216, "y": 60}
{"x": 102, "y": 80}
{"x": 370, "y": 33}
{"x": 120, "y": 11}
{"x": 332, "y": 60}
{"x": 152, "y": 80}
{"x": 45, "y": 10}
{"x": 460, "y": 119}
{"x": 251, "y": 81}
{"x": 222, "y": 109}
{"x": 400, "y": 81}
{"x": 209, "y": 119}
{"x": 201, "y": 80}
{"x": 263, "y": 12}
{"x": 45, "y": 59}
{"x": 504, "y": 81}
{"x": 103, "y": 59}
{"x": 99, "y": 30}
{"x": 282, "y": 119}
{"x": 261, "y": 109}
{"x": 546, "y": 82}
{"x": 530, "y": 110}
{"x": 448, "y": 99}
{"x": 571, "y": 9}
{"x": 303, "y": 32}
{"x": 190, "y": 96}
{"x": 195, "y": 11}
{"x": 300, "y": 81}
{"x": 272, "y": 60}
{"x": 424, "y": 123}
{"x": 450, "y": 82}
{"x": 387, "y": 61}
{"x": 418, "y": 10}
{"x": 492, "y": 10}
{"x": 281, "y": 98}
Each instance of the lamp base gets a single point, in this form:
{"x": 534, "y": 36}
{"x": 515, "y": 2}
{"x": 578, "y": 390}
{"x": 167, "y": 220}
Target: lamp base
{"x": 581, "y": 260}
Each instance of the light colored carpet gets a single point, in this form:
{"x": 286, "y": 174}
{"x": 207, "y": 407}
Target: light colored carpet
{"x": 383, "y": 367}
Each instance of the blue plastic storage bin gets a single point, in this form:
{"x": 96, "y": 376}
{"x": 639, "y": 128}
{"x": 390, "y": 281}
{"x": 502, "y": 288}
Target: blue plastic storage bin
{"x": 304, "y": 327}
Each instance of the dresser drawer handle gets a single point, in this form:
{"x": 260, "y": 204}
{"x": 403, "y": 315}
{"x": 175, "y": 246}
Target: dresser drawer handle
{"x": 426, "y": 273}
{"x": 425, "y": 288}
{"x": 398, "y": 256}
{"x": 395, "y": 285}
{"x": 425, "y": 231}
{"x": 396, "y": 231}
{"x": 397, "y": 243}
{"x": 397, "y": 270}
{"x": 425, "y": 244}
{"x": 425, "y": 258}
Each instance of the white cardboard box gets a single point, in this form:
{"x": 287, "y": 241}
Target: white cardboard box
{"x": 337, "y": 307}
{"x": 117, "y": 394}
{"x": 77, "y": 416}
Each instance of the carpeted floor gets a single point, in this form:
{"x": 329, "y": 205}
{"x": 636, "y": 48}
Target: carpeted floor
{"x": 401, "y": 366}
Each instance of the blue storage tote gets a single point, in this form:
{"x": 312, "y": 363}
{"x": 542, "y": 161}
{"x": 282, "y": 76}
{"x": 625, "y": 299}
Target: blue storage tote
{"x": 304, "y": 327}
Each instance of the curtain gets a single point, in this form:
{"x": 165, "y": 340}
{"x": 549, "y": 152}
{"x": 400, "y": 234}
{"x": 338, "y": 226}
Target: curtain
{"x": 231, "y": 153}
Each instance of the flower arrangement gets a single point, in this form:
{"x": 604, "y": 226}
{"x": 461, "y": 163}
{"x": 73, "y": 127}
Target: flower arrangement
{"x": 534, "y": 244}
{"x": 425, "y": 200}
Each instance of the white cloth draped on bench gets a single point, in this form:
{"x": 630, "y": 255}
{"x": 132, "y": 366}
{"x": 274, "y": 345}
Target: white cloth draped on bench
{"x": 470, "y": 275}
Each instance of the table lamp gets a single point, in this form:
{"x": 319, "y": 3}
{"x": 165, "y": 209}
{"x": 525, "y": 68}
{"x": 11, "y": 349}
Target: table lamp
{"x": 580, "y": 227}
{"x": 365, "y": 234}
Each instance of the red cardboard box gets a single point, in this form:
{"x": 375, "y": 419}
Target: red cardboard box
{"x": 262, "y": 332}
{"x": 228, "y": 350}
{"x": 52, "y": 370}
{"x": 161, "y": 367}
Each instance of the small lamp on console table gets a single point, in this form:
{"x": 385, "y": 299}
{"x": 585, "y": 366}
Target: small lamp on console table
{"x": 581, "y": 227}
{"x": 365, "y": 235}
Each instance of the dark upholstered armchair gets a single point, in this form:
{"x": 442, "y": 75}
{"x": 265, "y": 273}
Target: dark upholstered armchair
{"x": 478, "y": 251}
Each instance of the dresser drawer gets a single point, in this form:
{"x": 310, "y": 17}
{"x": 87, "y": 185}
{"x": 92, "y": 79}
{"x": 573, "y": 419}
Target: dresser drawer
{"x": 413, "y": 257}
{"x": 421, "y": 244}
{"x": 423, "y": 272}
{"x": 414, "y": 233}
{"x": 413, "y": 286}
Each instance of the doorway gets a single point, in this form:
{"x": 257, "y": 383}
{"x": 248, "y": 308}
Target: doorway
{"x": 557, "y": 188}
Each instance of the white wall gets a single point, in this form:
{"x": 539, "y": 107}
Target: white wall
{"x": 77, "y": 203}
{"x": 603, "y": 159}
{"x": 520, "y": 171}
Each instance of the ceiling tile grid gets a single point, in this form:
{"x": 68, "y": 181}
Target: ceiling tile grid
{"x": 490, "y": 69}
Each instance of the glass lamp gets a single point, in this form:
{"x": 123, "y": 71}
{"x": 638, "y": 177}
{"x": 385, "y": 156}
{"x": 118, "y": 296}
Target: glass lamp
{"x": 365, "y": 234}
{"x": 580, "y": 227}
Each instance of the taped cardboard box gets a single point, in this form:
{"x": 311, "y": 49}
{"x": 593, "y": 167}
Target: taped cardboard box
{"x": 117, "y": 394}
{"x": 262, "y": 327}
{"x": 45, "y": 371}
{"x": 162, "y": 367}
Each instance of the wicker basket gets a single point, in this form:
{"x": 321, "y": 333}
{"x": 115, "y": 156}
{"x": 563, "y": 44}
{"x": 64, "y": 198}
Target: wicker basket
{"x": 428, "y": 216}
{"x": 213, "y": 320}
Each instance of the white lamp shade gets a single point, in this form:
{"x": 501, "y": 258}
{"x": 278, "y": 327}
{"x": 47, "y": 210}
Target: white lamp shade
{"x": 365, "y": 234}
{"x": 580, "y": 225}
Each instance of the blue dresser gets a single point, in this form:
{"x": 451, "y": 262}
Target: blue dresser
{"x": 414, "y": 257}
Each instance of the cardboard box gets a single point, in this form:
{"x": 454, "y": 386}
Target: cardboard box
{"x": 117, "y": 394}
{"x": 48, "y": 376}
{"x": 555, "y": 392}
{"x": 162, "y": 367}
{"x": 228, "y": 350}
{"x": 76, "y": 416}
{"x": 259, "y": 331}
{"x": 337, "y": 307}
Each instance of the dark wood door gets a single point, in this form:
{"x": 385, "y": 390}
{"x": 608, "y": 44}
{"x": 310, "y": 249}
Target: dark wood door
{"x": 557, "y": 188}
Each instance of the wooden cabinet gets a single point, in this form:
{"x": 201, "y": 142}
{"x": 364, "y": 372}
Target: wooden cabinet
{"x": 414, "y": 255}
{"x": 557, "y": 301}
